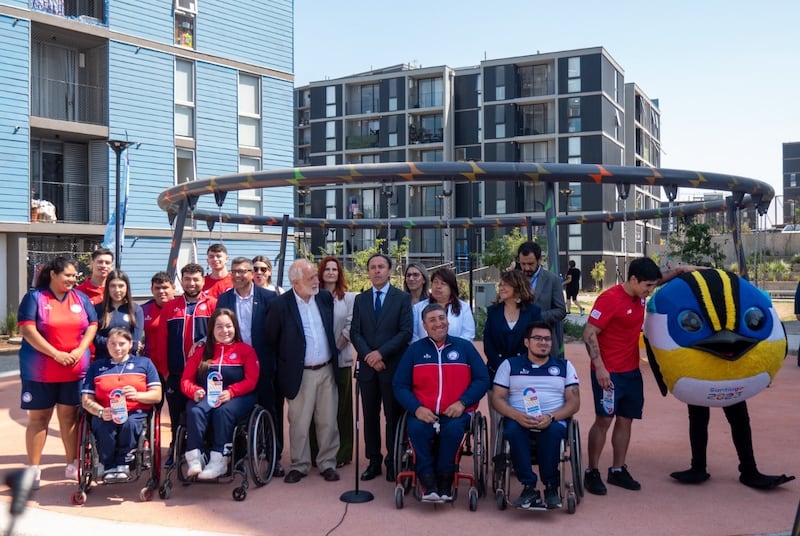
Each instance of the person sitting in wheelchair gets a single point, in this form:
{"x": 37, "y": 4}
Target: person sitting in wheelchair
{"x": 439, "y": 381}
{"x": 119, "y": 391}
{"x": 219, "y": 380}
{"x": 536, "y": 392}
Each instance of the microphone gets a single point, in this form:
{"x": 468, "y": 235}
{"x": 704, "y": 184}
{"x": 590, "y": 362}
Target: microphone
{"x": 21, "y": 484}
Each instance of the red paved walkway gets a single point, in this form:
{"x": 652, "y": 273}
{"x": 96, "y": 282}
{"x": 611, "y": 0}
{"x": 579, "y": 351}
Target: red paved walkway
{"x": 721, "y": 506}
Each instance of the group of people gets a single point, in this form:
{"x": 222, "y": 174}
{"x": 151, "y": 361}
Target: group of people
{"x": 232, "y": 339}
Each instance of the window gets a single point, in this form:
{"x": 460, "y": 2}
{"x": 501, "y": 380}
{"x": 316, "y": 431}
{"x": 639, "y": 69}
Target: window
{"x": 393, "y": 126}
{"x": 184, "y": 29}
{"x": 500, "y": 83}
{"x": 431, "y": 156}
{"x": 370, "y": 159}
{"x": 574, "y": 114}
{"x": 330, "y": 136}
{"x": 249, "y": 110}
{"x": 431, "y": 92}
{"x": 499, "y": 122}
{"x": 330, "y": 160}
{"x": 792, "y": 180}
{"x": 370, "y": 98}
{"x": 187, "y": 6}
{"x": 573, "y": 75}
{"x": 535, "y": 119}
{"x": 575, "y": 237}
{"x": 431, "y": 129}
{"x": 249, "y": 200}
{"x": 574, "y": 151}
{"x": 184, "y": 166}
{"x": 393, "y": 85}
{"x": 330, "y": 204}
{"x": 184, "y": 98}
{"x": 330, "y": 101}
{"x": 540, "y": 151}
{"x": 535, "y": 80}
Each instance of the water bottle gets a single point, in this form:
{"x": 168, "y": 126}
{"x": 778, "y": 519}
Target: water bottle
{"x": 608, "y": 399}
{"x": 119, "y": 406}
{"x": 532, "y": 406}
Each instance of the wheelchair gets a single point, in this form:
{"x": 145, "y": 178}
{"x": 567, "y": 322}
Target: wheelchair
{"x": 146, "y": 458}
{"x": 254, "y": 446}
{"x": 571, "y": 467}
{"x": 474, "y": 444}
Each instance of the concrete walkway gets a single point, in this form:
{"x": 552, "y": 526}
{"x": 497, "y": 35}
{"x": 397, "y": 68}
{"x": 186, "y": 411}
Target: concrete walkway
{"x": 721, "y": 506}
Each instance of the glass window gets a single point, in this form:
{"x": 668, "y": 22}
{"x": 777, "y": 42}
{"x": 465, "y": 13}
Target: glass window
{"x": 431, "y": 92}
{"x": 500, "y": 83}
{"x": 330, "y": 101}
{"x": 184, "y": 30}
{"x": 574, "y": 145}
{"x": 330, "y": 204}
{"x": 330, "y": 160}
{"x": 393, "y": 83}
{"x": 573, "y": 74}
{"x": 184, "y": 98}
{"x": 499, "y": 122}
{"x": 249, "y": 200}
{"x": 573, "y": 124}
{"x": 431, "y": 156}
{"x": 249, "y": 111}
{"x": 330, "y": 136}
{"x": 184, "y": 166}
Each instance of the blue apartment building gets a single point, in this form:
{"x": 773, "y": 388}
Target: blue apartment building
{"x": 180, "y": 78}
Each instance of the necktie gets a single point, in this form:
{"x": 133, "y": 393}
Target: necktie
{"x": 378, "y": 304}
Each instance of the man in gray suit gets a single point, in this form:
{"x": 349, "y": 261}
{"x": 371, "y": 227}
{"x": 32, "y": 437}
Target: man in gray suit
{"x": 546, "y": 289}
{"x": 380, "y": 332}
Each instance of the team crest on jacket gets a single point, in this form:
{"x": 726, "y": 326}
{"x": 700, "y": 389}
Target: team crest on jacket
{"x": 427, "y": 356}
{"x": 233, "y": 355}
{"x": 452, "y": 355}
{"x": 553, "y": 371}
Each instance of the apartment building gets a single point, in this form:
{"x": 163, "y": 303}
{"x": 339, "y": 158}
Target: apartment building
{"x": 567, "y": 107}
{"x": 177, "y": 78}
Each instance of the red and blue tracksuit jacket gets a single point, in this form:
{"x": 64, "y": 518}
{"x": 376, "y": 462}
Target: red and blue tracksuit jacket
{"x": 437, "y": 377}
{"x": 179, "y": 330}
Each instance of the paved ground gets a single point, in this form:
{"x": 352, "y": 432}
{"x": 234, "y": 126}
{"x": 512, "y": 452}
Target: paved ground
{"x": 721, "y": 506}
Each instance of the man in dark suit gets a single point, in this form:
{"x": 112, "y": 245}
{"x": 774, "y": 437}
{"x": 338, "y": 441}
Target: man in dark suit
{"x": 251, "y": 303}
{"x": 380, "y": 332}
{"x": 301, "y": 333}
{"x": 546, "y": 290}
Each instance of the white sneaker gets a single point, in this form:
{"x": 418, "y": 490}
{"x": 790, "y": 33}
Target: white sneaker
{"x": 71, "y": 471}
{"x": 216, "y": 466}
{"x": 37, "y": 477}
{"x": 431, "y": 496}
{"x": 194, "y": 460}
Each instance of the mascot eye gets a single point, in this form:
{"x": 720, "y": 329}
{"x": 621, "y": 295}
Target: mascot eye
{"x": 690, "y": 321}
{"x": 754, "y": 318}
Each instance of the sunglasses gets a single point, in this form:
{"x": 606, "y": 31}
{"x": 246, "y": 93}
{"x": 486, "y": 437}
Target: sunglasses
{"x": 261, "y": 269}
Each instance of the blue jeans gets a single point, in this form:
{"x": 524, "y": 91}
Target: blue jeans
{"x": 548, "y": 449}
{"x": 421, "y": 435}
{"x": 223, "y": 420}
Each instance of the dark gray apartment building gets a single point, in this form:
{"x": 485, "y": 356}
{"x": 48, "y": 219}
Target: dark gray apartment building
{"x": 566, "y": 107}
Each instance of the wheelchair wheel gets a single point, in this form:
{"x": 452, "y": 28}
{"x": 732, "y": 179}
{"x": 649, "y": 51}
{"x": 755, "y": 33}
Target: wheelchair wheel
{"x": 262, "y": 446}
{"x": 399, "y": 494}
{"x": 501, "y": 469}
{"x": 178, "y": 450}
{"x": 473, "y": 499}
{"x": 403, "y": 457}
{"x": 480, "y": 452}
{"x": 576, "y": 457}
{"x": 87, "y": 456}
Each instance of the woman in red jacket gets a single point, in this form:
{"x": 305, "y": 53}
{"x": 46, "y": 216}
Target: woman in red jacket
{"x": 219, "y": 379}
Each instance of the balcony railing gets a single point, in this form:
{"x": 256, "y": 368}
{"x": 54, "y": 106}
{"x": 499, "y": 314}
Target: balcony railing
{"x": 536, "y": 128}
{"x": 362, "y": 142}
{"x": 424, "y": 135}
{"x": 68, "y": 101}
{"x": 83, "y": 10}
{"x": 75, "y": 202}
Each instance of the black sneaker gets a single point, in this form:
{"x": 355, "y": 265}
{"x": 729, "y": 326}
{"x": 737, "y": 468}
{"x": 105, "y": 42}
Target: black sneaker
{"x": 552, "y": 498}
{"x": 593, "y": 482}
{"x": 623, "y": 479}
{"x": 529, "y": 498}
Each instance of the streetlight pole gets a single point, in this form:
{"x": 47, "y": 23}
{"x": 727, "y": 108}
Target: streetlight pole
{"x": 566, "y": 192}
{"x": 388, "y": 193}
{"x": 118, "y": 147}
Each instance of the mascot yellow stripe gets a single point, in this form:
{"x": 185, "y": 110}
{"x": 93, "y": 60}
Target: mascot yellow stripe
{"x": 706, "y": 294}
{"x": 730, "y": 308}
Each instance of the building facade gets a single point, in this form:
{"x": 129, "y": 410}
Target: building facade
{"x": 791, "y": 183}
{"x": 175, "y": 77}
{"x": 565, "y": 107}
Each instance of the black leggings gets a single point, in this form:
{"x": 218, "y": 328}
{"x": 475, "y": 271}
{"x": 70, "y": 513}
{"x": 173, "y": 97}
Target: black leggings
{"x": 739, "y": 421}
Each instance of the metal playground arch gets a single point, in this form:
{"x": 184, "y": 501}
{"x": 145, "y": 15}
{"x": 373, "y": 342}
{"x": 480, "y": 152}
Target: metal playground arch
{"x": 179, "y": 201}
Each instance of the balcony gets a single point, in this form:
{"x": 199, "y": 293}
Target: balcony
{"x": 362, "y": 142}
{"x": 73, "y": 202}
{"x": 92, "y": 11}
{"x": 424, "y": 135}
{"x": 68, "y": 101}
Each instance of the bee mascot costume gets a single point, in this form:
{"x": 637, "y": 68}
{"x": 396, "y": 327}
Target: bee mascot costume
{"x": 714, "y": 340}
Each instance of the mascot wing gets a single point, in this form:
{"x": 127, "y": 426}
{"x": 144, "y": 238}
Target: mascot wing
{"x": 713, "y": 339}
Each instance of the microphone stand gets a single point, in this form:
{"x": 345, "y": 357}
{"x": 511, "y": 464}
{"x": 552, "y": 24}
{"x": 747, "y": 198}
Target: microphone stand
{"x": 356, "y": 495}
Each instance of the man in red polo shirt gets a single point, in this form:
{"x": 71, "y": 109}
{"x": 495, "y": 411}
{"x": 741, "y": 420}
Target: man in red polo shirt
{"x": 94, "y": 286}
{"x": 219, "y": 280}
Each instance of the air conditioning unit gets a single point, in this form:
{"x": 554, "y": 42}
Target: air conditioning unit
{"x": 186, "y": 6}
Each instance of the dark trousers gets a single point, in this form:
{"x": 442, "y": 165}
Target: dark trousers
{"x": 548, "y": 449}
{"x": 739, "y": 421}
{"x": 223, "y": 420}
{"x": 176, "y": 402}
{"x": 422, "y": 435}
{"x": 375, "y": 393}
{"x": 114, "y": 441}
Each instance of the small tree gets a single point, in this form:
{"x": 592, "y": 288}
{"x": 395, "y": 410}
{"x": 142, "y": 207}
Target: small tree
{"x": 501, "y": 251}
{"x": 598, "y": 274}
{"x": 692, "y": 244}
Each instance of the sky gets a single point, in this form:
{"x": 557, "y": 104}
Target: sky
{"x": 726, "y": 73}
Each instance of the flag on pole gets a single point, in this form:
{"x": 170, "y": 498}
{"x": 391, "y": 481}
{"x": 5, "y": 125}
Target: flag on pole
{"x": 109, "y": 239}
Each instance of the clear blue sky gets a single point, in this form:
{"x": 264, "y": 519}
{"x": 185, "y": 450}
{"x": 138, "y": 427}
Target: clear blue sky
{"x": 726, "y": 73}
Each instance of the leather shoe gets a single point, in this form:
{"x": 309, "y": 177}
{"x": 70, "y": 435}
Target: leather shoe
{"x": 278, "y": 471}
{"x": 372, "y": 470}
{"x": 294, "y": 476}
{"x": 330, "y": 475}
{"x": 390, "y": 476}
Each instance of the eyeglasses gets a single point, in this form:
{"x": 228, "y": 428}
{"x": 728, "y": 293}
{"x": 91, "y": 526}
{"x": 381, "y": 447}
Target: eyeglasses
{"x": 240, "y": 272}
{"x": 260, "y": 269}
{"x": 539, "y": 338}
{"x": 412, "y": 275}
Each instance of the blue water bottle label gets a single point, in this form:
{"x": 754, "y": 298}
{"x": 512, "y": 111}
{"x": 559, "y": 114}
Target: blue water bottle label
{"x": 213, "y": 388}
{"x": 119, "y": 406}
{"x": 608, "y": 400}
{"x": 531, "y": 399}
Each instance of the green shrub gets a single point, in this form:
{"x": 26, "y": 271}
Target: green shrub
{"x": 571, "y": 329}
{"x": 11, "y": 324}
{"x": 480, "y": 322}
